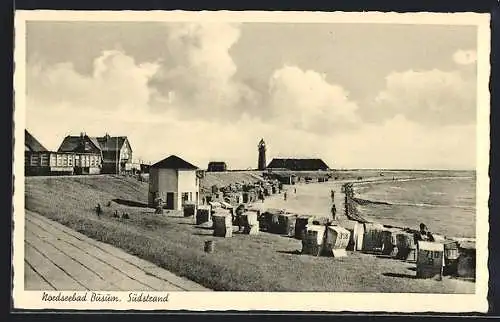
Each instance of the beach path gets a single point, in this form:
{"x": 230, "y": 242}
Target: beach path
{"x": 316, "y": 194}
{"x": 58, "y": 258}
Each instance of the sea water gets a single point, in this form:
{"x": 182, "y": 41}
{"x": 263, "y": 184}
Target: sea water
{"x": 446, "y": 205}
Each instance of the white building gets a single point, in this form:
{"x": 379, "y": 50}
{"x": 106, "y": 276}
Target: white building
{"x": 175, "y": 181}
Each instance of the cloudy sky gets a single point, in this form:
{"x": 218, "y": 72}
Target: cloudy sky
{"x": 358, "y": 96}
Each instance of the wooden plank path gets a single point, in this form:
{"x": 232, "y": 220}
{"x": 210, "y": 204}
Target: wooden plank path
{"x": 58, "y": 258}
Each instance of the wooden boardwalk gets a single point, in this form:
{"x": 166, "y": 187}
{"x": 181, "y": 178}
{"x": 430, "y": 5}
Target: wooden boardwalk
{"x": 58, "y": 258}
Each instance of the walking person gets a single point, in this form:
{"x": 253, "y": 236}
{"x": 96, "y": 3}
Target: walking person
{"x": 284, "y": 195}
{"x": 98, "y": 210}
{"x": 334, "y": 212}
{"x": 239, "y": 212}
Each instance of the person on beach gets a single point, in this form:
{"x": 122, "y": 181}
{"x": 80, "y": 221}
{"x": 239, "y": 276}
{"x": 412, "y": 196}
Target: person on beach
{"x": 284, "y": 195}
{"x": 98, "y": 210}
{"x": 294, "y": 190}
{"x": 334, "y": 212}
{"x": 239, "y": 220}
{"x": 423, "y": 234}
{"x": 261, "y": 196}
{"x": 332, "y": 195}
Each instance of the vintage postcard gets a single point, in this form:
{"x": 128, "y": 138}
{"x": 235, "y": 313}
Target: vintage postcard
{"x": 291, "y": 161}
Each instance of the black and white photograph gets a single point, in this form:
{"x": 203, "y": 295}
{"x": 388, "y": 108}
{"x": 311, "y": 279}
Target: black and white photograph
{"x": 251, "y": 161}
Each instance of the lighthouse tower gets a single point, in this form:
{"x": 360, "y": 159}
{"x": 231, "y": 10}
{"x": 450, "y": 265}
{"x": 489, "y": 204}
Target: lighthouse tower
{"x": 262, "y": 155}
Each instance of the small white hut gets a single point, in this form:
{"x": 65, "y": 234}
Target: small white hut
{"x": 175, "y": 181}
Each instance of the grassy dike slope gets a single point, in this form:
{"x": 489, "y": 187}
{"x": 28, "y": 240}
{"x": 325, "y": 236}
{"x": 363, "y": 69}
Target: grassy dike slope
{"x": 265, "y": 262}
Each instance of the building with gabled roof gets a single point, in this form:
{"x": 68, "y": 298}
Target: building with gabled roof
{"x": 115, "y": 152}
{"x": 174, "y": 181}
{"x": 80, "y": 144}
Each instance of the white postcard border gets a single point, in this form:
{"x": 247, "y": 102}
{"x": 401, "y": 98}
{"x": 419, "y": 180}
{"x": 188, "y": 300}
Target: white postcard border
{"x": 296, "y": 301}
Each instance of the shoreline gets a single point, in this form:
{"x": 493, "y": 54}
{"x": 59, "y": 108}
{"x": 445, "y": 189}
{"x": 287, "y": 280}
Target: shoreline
{"x": 271, "y": 201}
{"x": 367, "y": 202}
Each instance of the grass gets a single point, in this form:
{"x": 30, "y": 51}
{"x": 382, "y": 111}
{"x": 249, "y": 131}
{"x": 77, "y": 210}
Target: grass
{"x": 265, "y": 262}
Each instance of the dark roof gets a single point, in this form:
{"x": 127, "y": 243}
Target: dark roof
{"x": 32, "y": 143}
{"x": 217, "y": 163}
{"x": 111, "y": 143}
{"x": 298, "y": 164}
{"x": 105, "y": 143}
{"x": 174, "y": 162}
{"x": 217, "y": 166}
{"x": 74, "y": 144}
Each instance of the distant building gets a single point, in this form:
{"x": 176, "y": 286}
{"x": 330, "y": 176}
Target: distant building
{"x": 115, "y": 152}
{"x": 39, "y": 161}
{"x": 175, "y": 181}
{"x": 298, "y": 164}
{"x": 217, "y": 166}
{"x": 262, "y": 155}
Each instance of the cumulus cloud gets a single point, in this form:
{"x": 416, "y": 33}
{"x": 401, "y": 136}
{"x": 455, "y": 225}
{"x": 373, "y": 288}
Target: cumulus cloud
{"x": 187, "y": 98}
{"x": 200, "y": 70}
{"x": 117, "y": 82}
{"x": 60, "y": 101}
{"x": 198, "y": 76}
{"x": 305, "y": 100}
{"x": 432, "y": 97}
{"x": 465, "y": 57}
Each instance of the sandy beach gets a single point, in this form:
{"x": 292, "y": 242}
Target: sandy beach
{"x": 316, "y": 194}
{"x": 314, "y": 199}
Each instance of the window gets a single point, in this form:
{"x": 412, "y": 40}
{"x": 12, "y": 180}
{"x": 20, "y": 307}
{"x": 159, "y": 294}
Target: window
{"x": 34, "y": 159}
{"x": 190, "y": 196}
{"x": 44, "y": 159}
{"x": 185, "y": 197}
